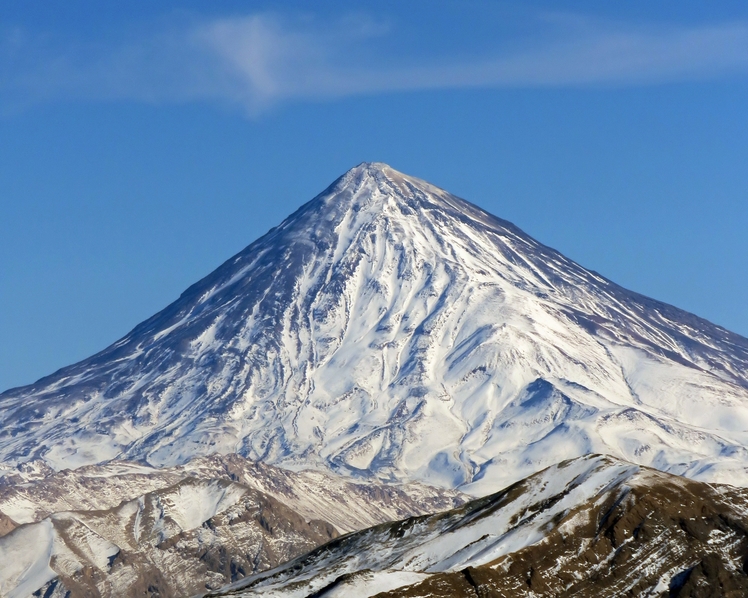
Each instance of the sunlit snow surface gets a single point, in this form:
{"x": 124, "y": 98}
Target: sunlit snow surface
{"x": 388, "y": 328}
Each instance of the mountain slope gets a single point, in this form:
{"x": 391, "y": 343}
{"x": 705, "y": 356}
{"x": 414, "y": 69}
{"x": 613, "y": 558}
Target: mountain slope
{"x": 176, "y": 541}
{"x": 590, "y": 527}
{"x": 390, "y": 329}
{"x": 28, "y": 498}
{"x": 126, "y": 530}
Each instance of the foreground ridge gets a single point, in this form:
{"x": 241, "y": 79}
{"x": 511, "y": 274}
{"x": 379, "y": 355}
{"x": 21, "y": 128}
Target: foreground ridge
{"x": 391, "y": 330}
{"x": 590, "y": 527}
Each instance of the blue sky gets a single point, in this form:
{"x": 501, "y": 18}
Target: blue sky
{"x": 144, "y": 144}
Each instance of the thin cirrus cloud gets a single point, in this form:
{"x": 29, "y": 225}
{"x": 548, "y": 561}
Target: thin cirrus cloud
{"x": 258, "y": 61}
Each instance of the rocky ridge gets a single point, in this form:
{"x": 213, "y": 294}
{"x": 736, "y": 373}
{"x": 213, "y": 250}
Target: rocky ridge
{"x": 593, "y": 527}
{"x": 125, "y": 529}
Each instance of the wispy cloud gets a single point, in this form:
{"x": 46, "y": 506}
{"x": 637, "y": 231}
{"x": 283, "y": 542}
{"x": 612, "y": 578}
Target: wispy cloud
{"x": 259, "y": 60}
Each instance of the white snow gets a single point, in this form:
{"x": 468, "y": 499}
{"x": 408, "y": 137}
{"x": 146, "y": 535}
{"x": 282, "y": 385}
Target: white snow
{"x": 24, "y": 559}
{"x": 389, "y": 329}
{"x": 370, "y": 583}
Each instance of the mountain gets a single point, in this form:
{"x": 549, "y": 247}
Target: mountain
{"x": 389, "y": 330}
{"x": 124, "y": 529}
{"x": 176, "y": 541}
{"x": 28, "y": 497}
{"x": 593, "y": 527}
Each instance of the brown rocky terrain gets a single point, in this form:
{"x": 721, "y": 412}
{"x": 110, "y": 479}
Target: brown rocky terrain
{"x": 6, "y": 524}
{"x": 667, "y": 538}
{"x": 124, "y": 529}
{"x": 30, "y": 494}
{"x": 589, "y": 528}
{"x": 151, "y": 548}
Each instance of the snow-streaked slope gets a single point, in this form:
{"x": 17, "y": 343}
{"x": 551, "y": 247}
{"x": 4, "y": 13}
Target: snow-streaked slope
{"x": 346, "y": 505}
{"x": 593, "y": 526}
{"x": 120, "y": 529}
{"x": 478, "y": 533}
{"x": 176, "y": 541}
{"x": 25, "y": 560}
{"x": 388, "y": 328}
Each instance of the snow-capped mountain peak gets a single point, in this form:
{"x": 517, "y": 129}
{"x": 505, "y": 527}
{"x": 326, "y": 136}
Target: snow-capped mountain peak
{"x": 388, "y": 328}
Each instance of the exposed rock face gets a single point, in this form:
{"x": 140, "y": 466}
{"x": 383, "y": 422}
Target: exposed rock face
{"x": 125, "y": 529}
{"x": 391, "y": 330}
{"x": 593, "y": 528}
{"x": 346, "y": 504}
{"x": 177, "y": 541}
{"x": 6, "y": 524}
{"x": 665, "y": 538}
